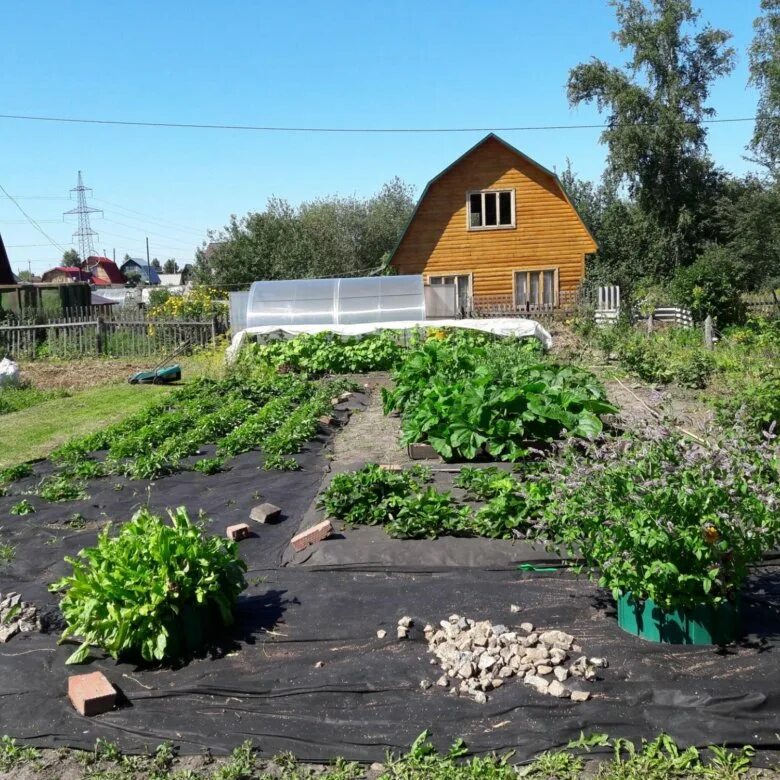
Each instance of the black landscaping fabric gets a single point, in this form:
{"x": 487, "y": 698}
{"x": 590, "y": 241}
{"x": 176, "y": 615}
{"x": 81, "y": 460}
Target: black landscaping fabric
{"x": 304, "y": 671}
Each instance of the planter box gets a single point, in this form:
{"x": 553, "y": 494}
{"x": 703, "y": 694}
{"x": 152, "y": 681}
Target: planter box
{"x": 701, "y": 625}
{"x": 422, "y": 452}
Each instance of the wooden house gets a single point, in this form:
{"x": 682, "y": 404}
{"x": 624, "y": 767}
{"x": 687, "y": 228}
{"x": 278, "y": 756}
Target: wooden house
{"x": 497, "y": 226}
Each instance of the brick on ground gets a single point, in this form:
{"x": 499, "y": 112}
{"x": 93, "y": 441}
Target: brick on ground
{"x": 91, "y": 694}
{"x": 265, "y": 513}
{"x": 312, "y": 535}
{"x": 238, "y": 532}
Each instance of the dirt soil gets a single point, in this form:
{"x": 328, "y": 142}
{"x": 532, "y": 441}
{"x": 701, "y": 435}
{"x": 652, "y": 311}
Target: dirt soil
{"x": 81, "y": 374}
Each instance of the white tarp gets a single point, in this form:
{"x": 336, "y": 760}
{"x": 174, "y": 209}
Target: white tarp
{"x": 9, "y": 373}
{"x": 500, "y": 326}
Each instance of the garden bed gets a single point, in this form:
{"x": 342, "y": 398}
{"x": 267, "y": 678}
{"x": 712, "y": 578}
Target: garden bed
{"x": 304, "y": 670}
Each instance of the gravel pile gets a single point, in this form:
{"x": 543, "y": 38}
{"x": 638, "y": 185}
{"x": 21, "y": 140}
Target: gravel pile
{"x": 16, "y": 616}
{"x": 478, "y": 656}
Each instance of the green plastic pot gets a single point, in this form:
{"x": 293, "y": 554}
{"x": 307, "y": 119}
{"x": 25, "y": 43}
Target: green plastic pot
{"x": 703, "y": 624}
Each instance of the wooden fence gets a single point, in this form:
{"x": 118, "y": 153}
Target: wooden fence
{"x": 483, "y": 306}
{"x": 78, "y": 336}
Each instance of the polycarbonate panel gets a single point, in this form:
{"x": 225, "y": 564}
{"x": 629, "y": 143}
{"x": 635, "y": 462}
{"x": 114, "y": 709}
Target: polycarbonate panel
{"x": 336, "y": 301}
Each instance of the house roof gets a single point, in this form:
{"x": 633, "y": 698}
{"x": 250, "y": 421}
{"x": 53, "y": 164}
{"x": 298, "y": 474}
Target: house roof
{"x": 146, "y": 271}
{"x": 72, "y": 271}
{"x": 109, "y": 266}
{"x": 6, "y": 275}
{"x": 488, "y": 137}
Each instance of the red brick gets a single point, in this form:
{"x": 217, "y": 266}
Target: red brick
{"x": 390, "y": 466}
{"x": 238, "y": 532}
{"x": 91, "y": 694}
{"x": 326, "y": 419}
{"x": 312, "y": 535}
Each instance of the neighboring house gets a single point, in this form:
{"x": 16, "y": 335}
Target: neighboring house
{"x": 496, "y": 225}
{"x": 104, "y": 272}
{"x": 6, "y": 275}
{"x": 138, "y": 268}
{"x": 64, "y": 274}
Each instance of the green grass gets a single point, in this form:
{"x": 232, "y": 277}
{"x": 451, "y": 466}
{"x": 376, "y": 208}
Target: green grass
{"x": 34, "y": 432}
{"x": 14, "y": 399}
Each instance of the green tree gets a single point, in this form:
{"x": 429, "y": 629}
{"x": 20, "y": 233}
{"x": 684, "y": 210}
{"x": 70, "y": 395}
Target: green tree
{"x": 655, "y": 137}
{"x": 330, "y": 236}
{"x": 70, "y": 257}
{"x": 765, "y": 76}
{"x": 170, "y": 266}
{"x": 156, "y": 265}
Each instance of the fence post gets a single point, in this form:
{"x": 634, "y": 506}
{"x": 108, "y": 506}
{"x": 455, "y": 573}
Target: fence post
{"x": 214, "y": 330}
{"x": 708, "y": 343}
{"x": 649, "y": 323}
{"x": 99, "y": 336}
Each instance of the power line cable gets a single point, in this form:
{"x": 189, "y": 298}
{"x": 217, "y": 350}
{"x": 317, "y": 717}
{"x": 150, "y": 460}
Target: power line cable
{"x": 294, "y": 129}
{"x": 33, "y": 222}
{"x": 144, "y": 230}
{"x": 150, "y": 218}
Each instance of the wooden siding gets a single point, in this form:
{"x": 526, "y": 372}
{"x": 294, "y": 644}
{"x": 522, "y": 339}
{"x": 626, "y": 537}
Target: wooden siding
{"x": 548, "y": 234}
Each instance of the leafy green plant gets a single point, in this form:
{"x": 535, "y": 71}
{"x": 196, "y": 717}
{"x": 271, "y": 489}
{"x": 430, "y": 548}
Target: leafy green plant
{"x": 7, "y": 552}
{"x": 152, "y": 591}
{"x": 360, "y": 497}
{"x": 13, "y": 755}
{"x": 14, "y": 473}
{"x": 427, "y": 515}
{"x": 756, "y": 402}
{"x": 328, "y": 353}
{"x": 23, "y": 507}
{"x": 61, "y": 488}
{"x": 464, "y": 398}
{"x": 209, "y": 465}
{"x": 664, "y": 519}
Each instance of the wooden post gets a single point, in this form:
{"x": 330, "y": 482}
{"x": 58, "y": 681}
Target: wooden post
{"x": 708, "y": 342}
{"x": 649, "y": 323}
{"x": 99, "y": 326}
{"x": 214, "y": 331}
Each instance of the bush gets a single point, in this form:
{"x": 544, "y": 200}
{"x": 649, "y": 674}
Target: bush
{"x": 712, "y": 285}
{"x": 154, "y": 591}
{"x": 663, "y": 519}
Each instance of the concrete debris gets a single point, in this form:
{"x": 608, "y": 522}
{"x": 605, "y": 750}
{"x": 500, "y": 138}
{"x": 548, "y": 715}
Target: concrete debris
{"x": 476, "y": 656}
{"x": 17, "y": 617}
{"x": 381, "y": 634}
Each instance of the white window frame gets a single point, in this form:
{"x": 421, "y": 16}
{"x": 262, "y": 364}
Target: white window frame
{"x": 536, "y": 270}
{"x": 454, "y": 275}
{"x": 497, "y": 192}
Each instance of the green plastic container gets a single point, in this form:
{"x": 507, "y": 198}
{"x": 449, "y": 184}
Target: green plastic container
{"x": 701, "y": 625}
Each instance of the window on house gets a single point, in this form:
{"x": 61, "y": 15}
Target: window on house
{"x": 536, "y": 288}
{"x": 462, "y": 284}
{"x": 491, "y": 209}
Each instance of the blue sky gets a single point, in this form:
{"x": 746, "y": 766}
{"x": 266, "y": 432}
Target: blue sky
{"x": 400, "y": 63}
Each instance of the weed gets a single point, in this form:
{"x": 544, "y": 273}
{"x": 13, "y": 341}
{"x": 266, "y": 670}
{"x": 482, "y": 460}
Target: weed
{"x": 209, "y": 465}
{"x": 7, "y": 552}
{"x": 13, "y": 756}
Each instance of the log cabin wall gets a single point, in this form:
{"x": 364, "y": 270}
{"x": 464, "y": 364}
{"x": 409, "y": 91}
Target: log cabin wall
{"x": 547, "y": 234}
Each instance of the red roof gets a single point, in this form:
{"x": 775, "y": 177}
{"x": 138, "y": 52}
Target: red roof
{"x": 109, "y": 266}
{"x": 98, "y": 282}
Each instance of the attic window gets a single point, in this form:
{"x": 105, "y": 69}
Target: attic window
{"x": 491, "y": 209}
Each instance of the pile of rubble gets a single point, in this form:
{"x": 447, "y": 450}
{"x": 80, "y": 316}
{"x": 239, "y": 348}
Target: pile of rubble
{"x": 477, "y": 656}
{"x": 16, "y": 616}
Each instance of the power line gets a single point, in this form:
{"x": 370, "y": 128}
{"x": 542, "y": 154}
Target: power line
{"x": 291, "y": 129}
{"x": 145, "y": 231}
{"x": 32, "y": 221}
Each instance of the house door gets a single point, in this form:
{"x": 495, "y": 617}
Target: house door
{"x": 462, "y": 284}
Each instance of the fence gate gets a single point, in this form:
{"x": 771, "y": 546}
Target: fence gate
{"x": 608, "y": 304}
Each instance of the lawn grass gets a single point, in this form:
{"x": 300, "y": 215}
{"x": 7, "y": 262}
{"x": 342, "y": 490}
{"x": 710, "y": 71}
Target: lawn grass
{"x": 34, "y": 432}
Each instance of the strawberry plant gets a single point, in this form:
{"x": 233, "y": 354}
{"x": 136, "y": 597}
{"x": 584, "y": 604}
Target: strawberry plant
{"x": 23, "y": 507}
{"x": 154, "y": 591}
{"x": 13, "y": 473}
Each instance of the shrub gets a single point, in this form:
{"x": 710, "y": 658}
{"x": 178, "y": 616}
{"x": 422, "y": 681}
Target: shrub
{"x": 153, "y": 591}
{"x": 757, "y": 403}
{"x": 712, "y": 285}
{"x": 664, "y": 519}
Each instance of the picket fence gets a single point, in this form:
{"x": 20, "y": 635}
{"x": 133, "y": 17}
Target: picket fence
{"x": 87, "y": 332}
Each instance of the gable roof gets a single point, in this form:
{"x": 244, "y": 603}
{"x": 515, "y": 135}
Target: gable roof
{"x": 109, "y": 266}
{"x": 147, "y": 272}
{"x": 6, "y": 274}
{"x": 488, "y": 137}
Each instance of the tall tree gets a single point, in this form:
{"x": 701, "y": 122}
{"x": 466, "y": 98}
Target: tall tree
{"x": 655, "y": 137}
{"x": 170, "y": 266}
{"x": 765, "y": 76}
{"x": 70, "y": 257}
